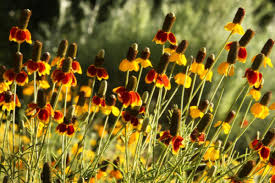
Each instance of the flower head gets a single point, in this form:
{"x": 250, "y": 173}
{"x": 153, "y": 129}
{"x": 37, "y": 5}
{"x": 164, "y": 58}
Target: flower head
{"x": 97, "y": 70}
{"x": 7, "y": 101}
{"x": 226, "y": 123}
{"x": 130, "y": 63}
{"x": 266, "y": 50}
{"x": 4, "y": 86}
{"x": 198, "y": 111}
{"x": 98, "y": 101}
{"x": 260, "y": 110}
{"x": 182, "y": 79}
{"x": 61, "y": 52}
{"x": 68, "y": 125}
{"x": 235, "y": 26}
{"x": 110, "y": 106}
{"x": 178, "y": 56}
{"x": 197, "y": 66}
{"x": 144, "y": 58}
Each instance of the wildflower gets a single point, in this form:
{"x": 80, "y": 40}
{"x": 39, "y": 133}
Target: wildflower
{"x": 213, "y": 152}
{"x": 42, "y": 110}
{"x": 260, "y": 110}
{"x": 7, "y": 101}
{"x": 16, "y": 74}
{"x": 102, "y": 171}
{"x": 266, "y": 50}
{"x": 110, "y": 106}
{"x": 254, "y": 77}
{"x": 68, "y": 125}
{"x": 198, "y": 134}
{"x": 65, "y": 76}
{"x": 132, "y": 115}
{"x": 198, "y": 111}
{"x": 255, "y": 92}
{"x": 235, "y": 26}
{"x": 58, "y": 116}
{"x": 164, "y": 34}
{"x": 244, "y": 172}
{"x": 21, "y": 33}
{"x": 227, "y": 68}
{"x": 178, "y": 56}
{"x": 80, "y": 105}
{"x": 98, "y": 101}
{"x": 226, "y": 123}
{"x": 130, "y": 63}
{"x": 115, "y": 173}
{"x": 61, "y": 52}
{"x": 158, "y": 76}
{"x": 3, "y": 85}
{"x": 96, "y": 69}
{"x": 207, "y": 72}
{"x": 144, "y": 58}
{"x": 127, "y": 96}
{"x": 171, "y": 49}
{"x": 242, "y": 53}
{"x": 197, "y": 66}
{"x": 182, "y": 79}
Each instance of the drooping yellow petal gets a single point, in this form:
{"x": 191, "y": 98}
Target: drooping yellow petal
{"x": 267, "y": 61}
{"x": 256, "y": 94}
{"x": 235, "y": 28}
{"x": 272, "y": 106}
{"x": 182, "y": 79}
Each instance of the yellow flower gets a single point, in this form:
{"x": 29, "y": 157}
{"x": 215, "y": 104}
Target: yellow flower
{"x": 107, "y": 110}
{"x": 144, "y": 62}
{"x": 4, "y": 87}
{"x": 208, "y": 77}
{"x": 197, "y": 68}
{"x": 267, "y": 61}
{"x": 212, "y": 154}
{"x": 226, "y": 69}
{"x": 256, "y": 94}
{"x": 259, "y": 110}
{"x": 235, "y": 28}
{"x": 182, "y": 79}
{"x": 179, "y": 58}
{"x": 195, "y": 112}
{"x": 126, "y": 65}
{"x": 225, "y": 126}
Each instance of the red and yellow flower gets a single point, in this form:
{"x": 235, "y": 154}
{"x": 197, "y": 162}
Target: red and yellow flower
{"x": 143, "y": 60}
{"x": 61, "y": 52}
{"x": 3, "y": 85}
{"x": 235, "y": 26}
{"x": 7, "y": 101}
{"x": 133, "y": 115}
{"x": 208, "y": 73}
{"x": 198, "y": 111}
{"x": 110, "y": 106}
{"x": 266, "y": 50}
{"x": 255, "y": 93}
{"x": 115, "y": 173}
{"x": 261, "y": 110}
{"x": 226, "y": 123}
{"x": 127, "y": 97}
{"x": 67, "y": 127}
{"x": 96, "y": 69}
{"x": 130, "y": 63}
{"x": 58, "y": 116}
{"x": 178, "y": 56}
{"x": 42, "y": 113}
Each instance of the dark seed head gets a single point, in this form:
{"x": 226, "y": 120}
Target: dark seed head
{"x": 175, "y": 122}
{"x": 62, "y": 48}
{"x": 18, "y": 61}
{"x": 53, "y": 98}
{"x": 67, "y": 64}
{"x": 99, "y": 58}
{"x": 102, "y": 88}
{"x": 8, "y": 96}
{"x": 267, "y": 47}
{"x": 81, "y": 99}
{"x": 246, "y": 169}
{"x": 209, "y": 62}
{"x": 173, "y": 47}
{"x": 132, "y": 52}
{"x": 182, "y": 46}
{"x": 163, "y": 63}
{"x": 72, "y": 50}
{"x": 70, "y": 113}
{"x": 132, "y": 83}
{"x": 257, "y": 62}
{"x": 203, "y": 105}
{"x": 104, "y": 165}
{"x": 168, "y": 22}
{"x": 145, "y": 54}
{"x": 24, "y": 18}
{"x": 111, "y": 100}
{"x": 239, "y": 16}
{"x": 41, "y": 98}
{"x": 36, "y": 51}
{"x": 201, "y": 55}
{"x": 46, "y": 57}
{"x": 248, "y": 35}
{"x": 144, "y": 97}
{"x": 269, "y": 138}
{"x": 46, "y": 175}
{"x": 204, "y": 122}
{"x": 230, "y": 116}
{"x": 233, "y": 52}
{"x": 266, "y": 98}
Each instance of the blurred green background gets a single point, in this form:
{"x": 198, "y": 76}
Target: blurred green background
{"x": 115, "y": 24}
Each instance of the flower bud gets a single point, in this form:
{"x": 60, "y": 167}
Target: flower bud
{"x": 111, "y": 100}
{"x": 269, "y": 138}
{"x": 145, "y": 54}
{"x": 201, "y": 55}
{"x": 175, "y": 122}
{"x": 257, "y": 62}
{"x": 209, "y": 62}
{"x": 36, "y": 51}
{"x": 72, "y": 50}
{"x": 132, "y": 84}
{"x": 190, "y": 61}
{"x": 70, "y": 113}
{"x": 246, "y": 169}
{"x": 81, "y": 99}
{"x": 182, "y": 47}
{"x": 67, "y": 64}
{"x": 46, "y": 175}
{"x": 145, "y": 97}
{"x": 46, "y": 57}
{"x": 99, "y": 58}
{"x": 230, "y": 116}
{"x": 266, "y": 98}
{"x": 102, "y": 88}
{"x": 267, "y": 47}
{"x": 18, "y": 61}
{"x": 203, "y": 105}
{"x": 239, "y": 16}
{"x": 132, "y": 52}
{"x": 53, "y": 98}
{"x": 204, "y": 122}
{"x": 233, "y": 52}
{"x": 168, "y": 22}
{"x": 24, "y": 18}
{"x": 41, "y": 98}
{"x": 8, "y": 96}
{"x": 62, "y": 48}
{"x": 248, "y": 35}
{"x": 163, "y": 63}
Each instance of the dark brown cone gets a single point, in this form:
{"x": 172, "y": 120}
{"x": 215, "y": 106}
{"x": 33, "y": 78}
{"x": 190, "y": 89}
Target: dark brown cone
{"x": 269, "y": 138}
{"x": 201, "y": 55}
{"x": 203, "y": 105}
{"x": 239, "y": 16}
{"x": 46, "y": 57}
{"x": 116, "y": 163}
{"x": 81, "y": 99}
{"x": 102, "y": 88}
{"x": 266, "y": 98}
{"x": 209, "y": 62}
{"x": 8, "y": 96}
{"x": 144, "y": 97}
{"x": 104, "y": 165}
{"x": 2, "y": 70}
{"x": 99, "y": 58}
{"x": 230, "y": 116}
{"x": 41, "y": 98}
{"x": 6, "y": 179}
{"x": 132, "y": 52}
{"x": 132, "y": 83}
{"x": 46, "y": 175}
{"x": 182, "y": 47}
{"x": 175, "y": 122}
{"x": 24, "y": 18}
{"x": 204, "y": 122}
{"x": 257, "y": 62}
{"x": 18, "y": 61}
{"x": 62, "y": 48}
{"x": 145, "y": 54}
{"x": 248, "y": 35}
{"x": 173, "y": 47}
{"x": 233, "y": 52}
{"x": 111, "y": 100}
{"x": 72, "y": 50}
{"x": 163, "y": 63}
{"x": 168, "y": 22}
{"x": 67, "y": 64}
{"x": 267, "y": 47}
{"x": 36, "y": 51}
{"x": 246, "y": 169}
{"x": 53, "y": 98}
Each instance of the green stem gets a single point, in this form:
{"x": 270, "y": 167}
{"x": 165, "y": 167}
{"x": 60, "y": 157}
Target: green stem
{"x": 169, "y": 100}
{"x": 139, "y": 76}
{"x": 170, "y": 76}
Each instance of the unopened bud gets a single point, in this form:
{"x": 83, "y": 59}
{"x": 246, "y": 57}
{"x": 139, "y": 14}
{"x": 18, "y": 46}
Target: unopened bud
{"x": 203, "y": 105}
{"x": 99, "y": 59}
{"x": 201, "y": 55}
{"x": 266, "y": 98}
{"x": 46, "y": 57}
{"x": 182, "y": 46}
{"x": 111, "y": 100}
{"x": 132, "y": 83}
{"x": 70, "y": 113}
{"x": 209, "y": 62}
{"x": 257, "y": 62}
{"x": 248, "y": 35}
{"x": 163, "y": 63}
{"x": 67, "y": 64}
{"x": 102, "y": 88}
{"x": 62, "y": 48}
{"x": 145, "y": 54}
{"x": 132, "y": 52}
{"x": 18, "y": 61}
{"x": 36, "y": 51}
{"x": 204, "y": 122}
{"x": 168, "y": 22}
{"x": 175, "y": 122}
{"x": 233, "y": 53}
{"x": 46, "y": 175}
{"x": 53, "y": 98}
{"x": 145, "y": 97}
{"x": 269, "y": 138}
{"x": 239, "y": 16}
{"x": 267, "y": 47}
{"x": 230, "y": 116}
{"x": 246, "y": 169}
{"x": 41, "y": 98}
{"x": 24, "y": 18}
{"x": 81, "y": 99}
{"x": 72, "y": 50}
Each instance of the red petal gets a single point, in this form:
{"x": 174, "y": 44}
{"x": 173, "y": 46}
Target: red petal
{"x": 264, "y": 152}
{"x": 91, "y": 71}
{"x": 96, "y": 100}
{"x": 172, "y": 39}
{"x": 21, "y": 77}
{"x": 70, "y": 130}
{"x": 20, "y": 35}
{"x": 126, "y": 116}
{"x": 61, "y": 128}
{"x": 166, "y": 138}
{"x": 177, "y": 142}
{"x": 44, "y": 115}
{"x": 242, "y": 53}
{"x": 150, "y": 77}
{"x": 162, "y": 36}
{"x": 252, "y": 76}
{"x": 13, "y": 31}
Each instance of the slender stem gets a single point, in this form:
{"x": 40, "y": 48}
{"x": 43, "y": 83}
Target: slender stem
{"x": 149, "y": 100}
{"x": 90, "y": 100}
{"x": 161, "y": 162}
{"x": 127, "y": 78}
{"x": 13, "y": 128}
{"x": 34, "y": 88}
{"x": 169, "y": 100}
{"x": 170, "y": 76}
{"x": 101, "y": 139}
{"x": 139, "y": 76}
